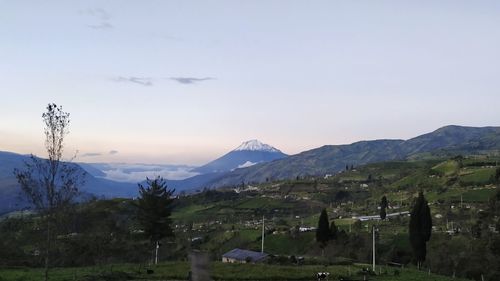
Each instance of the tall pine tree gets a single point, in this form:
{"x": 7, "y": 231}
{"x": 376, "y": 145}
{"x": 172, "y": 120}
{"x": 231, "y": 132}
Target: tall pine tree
{"x": 154, "y": 208}
{"x": 323, "y": 231}
{"x": 420, "y": 228}
{"x": 333, "y": 231}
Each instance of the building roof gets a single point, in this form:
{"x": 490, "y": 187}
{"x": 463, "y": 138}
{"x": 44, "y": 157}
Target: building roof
{"x": 242, "y": 255}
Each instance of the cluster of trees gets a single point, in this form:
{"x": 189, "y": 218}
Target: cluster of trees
{"x": 52, "y": 187}
{"x": 420, "y": 227}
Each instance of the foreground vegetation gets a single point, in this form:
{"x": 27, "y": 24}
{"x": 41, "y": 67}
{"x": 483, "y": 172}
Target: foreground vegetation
{"x": 218, "y": 271}
{"x": 104, "y": 237}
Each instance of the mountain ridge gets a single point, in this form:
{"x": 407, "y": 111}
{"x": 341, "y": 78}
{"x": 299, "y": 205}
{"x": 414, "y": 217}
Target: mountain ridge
{"x": 329, "y": 159}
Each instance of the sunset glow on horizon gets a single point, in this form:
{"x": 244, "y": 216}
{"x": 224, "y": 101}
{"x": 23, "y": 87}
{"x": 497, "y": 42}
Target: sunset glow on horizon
{"x": 172, "y": 82}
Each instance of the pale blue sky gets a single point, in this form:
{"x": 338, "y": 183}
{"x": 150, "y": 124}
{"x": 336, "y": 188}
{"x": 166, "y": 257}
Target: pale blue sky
{"x": 294, "y": 74}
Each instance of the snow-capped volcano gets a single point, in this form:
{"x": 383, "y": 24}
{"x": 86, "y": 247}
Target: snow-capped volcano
{"x": 247, "y": 154}
{"x": 256, "y": 145}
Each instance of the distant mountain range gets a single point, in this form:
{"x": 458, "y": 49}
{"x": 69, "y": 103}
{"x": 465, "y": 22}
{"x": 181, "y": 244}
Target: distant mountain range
{"x": 10, "y": 198}
{"x": 120, "y": 180}
{"x": 330, "y": 159}
{"x": 254, "y": 162}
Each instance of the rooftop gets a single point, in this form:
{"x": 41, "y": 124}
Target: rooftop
{"x": 239, "y": 254}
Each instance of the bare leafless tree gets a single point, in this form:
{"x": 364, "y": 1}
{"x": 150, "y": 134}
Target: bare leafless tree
{"x": 51, "y": 185}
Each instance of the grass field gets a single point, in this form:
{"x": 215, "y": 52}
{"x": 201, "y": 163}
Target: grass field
{"x": 478, "y": 176}
{"x": 447, "y": 168}
{"x": 218, "y": 271}
{"x": 263, "y": 203}
{"x": 479, "y": 195}
{"x": 281, "y": 244}
{"x": 190, "y": 211}
{"x": 454, "y": 194}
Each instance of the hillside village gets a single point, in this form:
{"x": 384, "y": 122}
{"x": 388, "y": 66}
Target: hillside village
{"x": 460, "y": 192}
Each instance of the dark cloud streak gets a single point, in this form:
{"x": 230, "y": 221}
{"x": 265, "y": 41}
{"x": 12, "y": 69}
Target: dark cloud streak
{"x": 144, "y": 81}
{"x": 190, "y": 80}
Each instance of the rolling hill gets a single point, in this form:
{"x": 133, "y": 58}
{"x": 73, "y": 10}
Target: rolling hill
{"x": 330, "y": 159}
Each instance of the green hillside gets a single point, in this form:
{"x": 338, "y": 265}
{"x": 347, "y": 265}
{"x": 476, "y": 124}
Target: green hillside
{"x": 459, "y": 190}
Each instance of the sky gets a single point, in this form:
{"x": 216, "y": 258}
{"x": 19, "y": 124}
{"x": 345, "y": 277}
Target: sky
{"x": 182, "y": 82}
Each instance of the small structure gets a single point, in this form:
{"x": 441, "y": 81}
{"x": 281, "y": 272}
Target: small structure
{"x": 307, "y": 228}
{"x": 377, "y": 217}
{"x": 243, "y": 256}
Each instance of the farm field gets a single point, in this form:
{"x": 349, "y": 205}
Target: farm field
{"x": 217, "y": 221}
{"x": 218, "y": 271}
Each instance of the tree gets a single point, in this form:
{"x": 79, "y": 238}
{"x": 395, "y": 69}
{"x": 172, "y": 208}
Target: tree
{"x": 154, "y": 208}
{"x": 51, "y": 185}
{"x": 420, "y": 228}
{"x": 333, "y": 231}
{"x": 383, "y": 214}
{"x": 476, "y": 229}
{"x": 323, "y": 231}
{"x": 383, "y": 206}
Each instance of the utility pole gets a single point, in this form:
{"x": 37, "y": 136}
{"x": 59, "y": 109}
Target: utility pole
{"x": 263, "y": 233}
{"x": 373, "y": 238}
{"x": 156, "y": 254}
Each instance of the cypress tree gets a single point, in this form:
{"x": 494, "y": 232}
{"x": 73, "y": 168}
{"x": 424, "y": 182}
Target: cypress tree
{"x": 420, "y": 228}
{"x": 333, "y": 231}
{"x": 383, "y": 214}
{"x": 383, "y": 206}
{"x": 323, "y": 231}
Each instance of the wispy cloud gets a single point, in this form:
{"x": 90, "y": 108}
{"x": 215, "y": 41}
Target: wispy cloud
{"x": 113, "y": 152}
{"x": 102, "y": 25}
{"x": 190, "y": 80}
{"x": 100, "y": 16}
{"x": 144, "y": 81}
{"x": 148, "y": 81}
{"x": 98, "y": 13}
{"x": 91, "y": 154}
